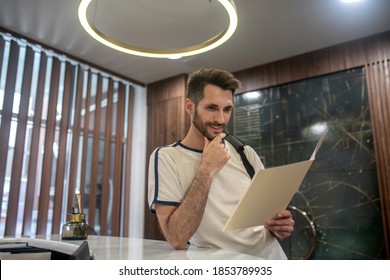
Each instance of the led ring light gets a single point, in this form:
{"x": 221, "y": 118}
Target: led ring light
{"x": 162, "y": 53}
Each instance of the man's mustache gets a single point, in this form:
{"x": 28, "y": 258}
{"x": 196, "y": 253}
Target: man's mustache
{"x": 216, "y": 124}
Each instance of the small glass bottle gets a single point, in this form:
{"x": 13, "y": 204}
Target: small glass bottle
{"x": 76, "y": 229}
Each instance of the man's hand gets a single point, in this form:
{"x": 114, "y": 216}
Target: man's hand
{"x": 281, "y": 225}
{"x": 215, "y": 156}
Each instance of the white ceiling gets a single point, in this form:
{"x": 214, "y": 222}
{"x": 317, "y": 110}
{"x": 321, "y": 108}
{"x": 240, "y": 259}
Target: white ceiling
{"x": 268, "y": 30}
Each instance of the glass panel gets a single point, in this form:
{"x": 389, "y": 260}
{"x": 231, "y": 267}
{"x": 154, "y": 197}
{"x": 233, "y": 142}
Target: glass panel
{"x": 337, "y": 209}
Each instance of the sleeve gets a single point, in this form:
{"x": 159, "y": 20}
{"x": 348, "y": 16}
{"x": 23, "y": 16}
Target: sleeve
{"x": 163, "y": 180}
{"x": 253, "y": 158}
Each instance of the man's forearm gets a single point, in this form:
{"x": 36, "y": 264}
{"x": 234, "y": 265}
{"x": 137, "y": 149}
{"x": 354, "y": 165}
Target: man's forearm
{"x": 185, "y": 220}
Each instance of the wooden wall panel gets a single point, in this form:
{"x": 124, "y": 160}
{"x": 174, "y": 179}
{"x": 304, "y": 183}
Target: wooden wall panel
{"x": 2, "y": 44}
{"x": 337, "y": 58}
{"x": 118, "y": 162}
{"x": 167, "y": 122}
{"x": 6, "y": 116}
{"x": 34, "y": 148}
{"x": 17, "y": 164}
{"x": 128, "y": 154}
{"x": 378, "y": 81}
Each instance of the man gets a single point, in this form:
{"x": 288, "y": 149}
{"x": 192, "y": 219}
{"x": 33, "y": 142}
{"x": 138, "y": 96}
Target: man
{"x": 195, "y": 184}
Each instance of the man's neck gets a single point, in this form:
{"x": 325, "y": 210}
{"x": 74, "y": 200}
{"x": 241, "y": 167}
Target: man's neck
{"x": 194, "y": 139}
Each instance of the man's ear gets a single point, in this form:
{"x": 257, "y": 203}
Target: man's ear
{"x": 190, "y": 106}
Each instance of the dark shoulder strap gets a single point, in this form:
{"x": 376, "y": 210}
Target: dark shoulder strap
{"x": 239, "y": 146}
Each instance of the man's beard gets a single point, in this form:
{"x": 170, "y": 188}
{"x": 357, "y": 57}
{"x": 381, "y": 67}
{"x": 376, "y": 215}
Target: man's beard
{"x": 202, "y": 127}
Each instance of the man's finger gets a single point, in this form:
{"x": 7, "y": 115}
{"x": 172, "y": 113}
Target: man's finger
{"x": 282, "y": 215}
{"x": 219, "y": 137}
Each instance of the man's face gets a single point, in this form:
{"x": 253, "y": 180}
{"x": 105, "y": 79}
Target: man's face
{"x": 213, "y": 111}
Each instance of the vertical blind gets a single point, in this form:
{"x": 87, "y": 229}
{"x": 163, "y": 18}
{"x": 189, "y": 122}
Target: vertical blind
{"x": 64, "y": 127}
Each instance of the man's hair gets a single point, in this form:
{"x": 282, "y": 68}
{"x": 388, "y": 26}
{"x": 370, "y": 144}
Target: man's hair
{"x": 200, "y": 78}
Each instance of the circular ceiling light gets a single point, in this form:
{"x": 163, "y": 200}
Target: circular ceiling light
{"x": 202, "y": 47}
{"x": 351, "y": 1}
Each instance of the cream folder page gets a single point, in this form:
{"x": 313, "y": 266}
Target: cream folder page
{"x": 269, "y": 192}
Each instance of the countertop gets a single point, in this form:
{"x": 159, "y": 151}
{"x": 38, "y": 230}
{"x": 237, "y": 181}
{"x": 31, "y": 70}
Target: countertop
{"x": 123, "y": 248}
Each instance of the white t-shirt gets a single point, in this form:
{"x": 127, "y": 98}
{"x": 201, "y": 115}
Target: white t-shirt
{"x": 171, "y": 172}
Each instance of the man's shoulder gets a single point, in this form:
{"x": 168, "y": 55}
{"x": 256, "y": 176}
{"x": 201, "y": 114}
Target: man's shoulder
{"x": 168, "y": 149}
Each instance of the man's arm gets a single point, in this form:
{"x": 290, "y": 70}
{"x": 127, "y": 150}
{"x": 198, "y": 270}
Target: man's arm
{"x": 180, "y": 223}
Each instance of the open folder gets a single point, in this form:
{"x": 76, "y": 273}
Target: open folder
{"x": 270, "y": 191}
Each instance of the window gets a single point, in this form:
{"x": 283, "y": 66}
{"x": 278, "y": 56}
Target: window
{"x": 340, "y": 194}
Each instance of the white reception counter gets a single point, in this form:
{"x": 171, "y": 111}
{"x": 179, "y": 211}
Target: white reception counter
{"x": 121, "y": 248}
